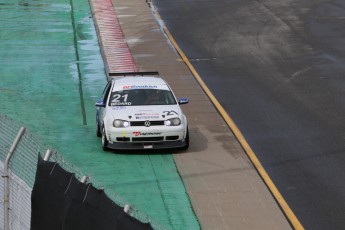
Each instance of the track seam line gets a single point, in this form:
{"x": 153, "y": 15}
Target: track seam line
{"x": 80, "y": 80}
{"x": 291, "y": 217}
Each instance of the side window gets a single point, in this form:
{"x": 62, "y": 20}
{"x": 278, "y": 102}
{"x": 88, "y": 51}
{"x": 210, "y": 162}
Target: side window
{"x": 106, "y": 92}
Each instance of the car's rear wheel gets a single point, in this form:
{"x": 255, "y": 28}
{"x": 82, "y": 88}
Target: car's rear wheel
{"x": 98, "y": 131}
{"x": 104, "y": 140}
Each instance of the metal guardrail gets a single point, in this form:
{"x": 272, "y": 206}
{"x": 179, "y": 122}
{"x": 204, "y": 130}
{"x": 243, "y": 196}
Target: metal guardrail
{"x": 6, "y": 178}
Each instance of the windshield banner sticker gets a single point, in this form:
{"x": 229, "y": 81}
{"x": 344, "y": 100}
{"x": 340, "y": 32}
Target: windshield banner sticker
{"x": 139, "y": 87}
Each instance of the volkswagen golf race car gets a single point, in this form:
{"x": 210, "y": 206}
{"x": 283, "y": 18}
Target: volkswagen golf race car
{"x": 141, "y": 112}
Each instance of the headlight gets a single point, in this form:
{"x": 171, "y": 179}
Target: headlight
{"x": 120, "y": 123}
{"x": 173, "y": 122}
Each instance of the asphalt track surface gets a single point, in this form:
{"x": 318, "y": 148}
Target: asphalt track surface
{"x": 50, "y": 77}
{"x": 277, "y": 67}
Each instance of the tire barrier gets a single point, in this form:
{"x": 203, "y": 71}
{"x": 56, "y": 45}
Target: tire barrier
{"x": 61, "y": 201}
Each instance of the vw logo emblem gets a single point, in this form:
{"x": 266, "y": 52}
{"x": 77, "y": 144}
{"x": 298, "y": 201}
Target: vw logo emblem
{"x": 147, "y": 123}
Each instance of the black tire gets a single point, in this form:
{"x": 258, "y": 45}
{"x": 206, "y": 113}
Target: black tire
{"x": 187, "y": 141}
{"x": 98, "y": 131}
{"x": 104, "y": 140}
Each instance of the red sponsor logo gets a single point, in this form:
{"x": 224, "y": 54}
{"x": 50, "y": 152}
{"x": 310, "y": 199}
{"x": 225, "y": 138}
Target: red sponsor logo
{"x": 136, "y": 133}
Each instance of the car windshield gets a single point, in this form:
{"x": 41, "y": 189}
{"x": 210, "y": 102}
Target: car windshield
{"x": 134, "y": 97}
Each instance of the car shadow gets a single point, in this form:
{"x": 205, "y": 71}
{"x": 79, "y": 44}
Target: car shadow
{"x": 148, "y": 151}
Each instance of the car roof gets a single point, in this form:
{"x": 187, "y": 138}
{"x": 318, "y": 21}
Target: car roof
{"x": 139, "y": 80}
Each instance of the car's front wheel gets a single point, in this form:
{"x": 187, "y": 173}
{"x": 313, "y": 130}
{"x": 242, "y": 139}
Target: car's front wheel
{"x": 104, "y": 140}
{"x": 98, "y": 131}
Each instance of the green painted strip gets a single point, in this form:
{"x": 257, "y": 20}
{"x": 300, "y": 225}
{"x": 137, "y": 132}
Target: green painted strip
{"x": 40, "y": 78}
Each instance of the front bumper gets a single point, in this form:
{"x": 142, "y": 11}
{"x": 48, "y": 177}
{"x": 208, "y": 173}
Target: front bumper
{"x": 146, "y": 138}
{"x": 147, "y": 145}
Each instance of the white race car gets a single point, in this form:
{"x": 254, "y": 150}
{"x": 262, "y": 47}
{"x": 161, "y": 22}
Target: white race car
{"x": 141, "y": 112}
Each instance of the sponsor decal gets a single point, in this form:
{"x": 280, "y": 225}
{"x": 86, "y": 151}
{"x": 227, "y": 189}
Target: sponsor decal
{"x": 118, "y": 107}
{"x": 170, "y": 113}
{"x": 146, "y": 134}
{"x": 146, "y": 116}
{"x": 116, "y": 103}
{"x": 139, "y": 87}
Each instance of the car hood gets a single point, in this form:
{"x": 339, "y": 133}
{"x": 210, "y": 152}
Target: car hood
{"x": 137, "y": 113}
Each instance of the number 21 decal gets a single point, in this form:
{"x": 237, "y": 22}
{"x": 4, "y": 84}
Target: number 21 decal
{"x": 117, "y": 97}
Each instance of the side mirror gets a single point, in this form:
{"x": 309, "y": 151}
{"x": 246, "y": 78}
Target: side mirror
{"x": 182, "y": 101}
{"x": 100, "y": 104}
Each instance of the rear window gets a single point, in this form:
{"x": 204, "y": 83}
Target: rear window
{"x": 135, "y": 97}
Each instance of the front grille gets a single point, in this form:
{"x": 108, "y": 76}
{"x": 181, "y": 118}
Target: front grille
{"x": 142, "y": 123}
{"x": 122, "y": 138}
{"x": 142, "y": 139}
{"x": 171, "y": 138}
